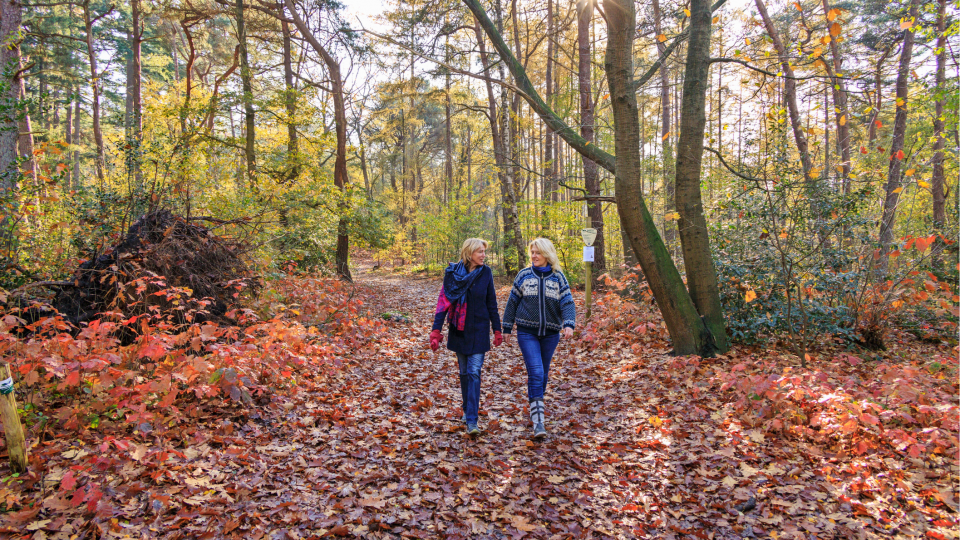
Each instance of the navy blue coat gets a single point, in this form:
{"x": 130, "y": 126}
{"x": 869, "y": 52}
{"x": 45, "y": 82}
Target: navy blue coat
{"x": 482, "y": 314}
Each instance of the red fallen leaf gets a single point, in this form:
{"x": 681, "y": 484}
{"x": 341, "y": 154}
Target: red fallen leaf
{"x": 936, "y": 535}
{"x": 339, "y": 530}
{"x": 231, "y": 525}
{"x": 900, "y": 154}
{"x": 73, "y": 378}
{"x": 869, "y": 419}
{"x": 68, "y": 482}
{"x": 629, "y": 508}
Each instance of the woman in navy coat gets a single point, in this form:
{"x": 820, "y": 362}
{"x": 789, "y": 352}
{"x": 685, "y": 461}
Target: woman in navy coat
{"x": 468, "y": 302}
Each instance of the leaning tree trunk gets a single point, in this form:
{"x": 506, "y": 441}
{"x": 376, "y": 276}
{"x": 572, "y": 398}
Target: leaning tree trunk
{"x": 694, "y": 238}
{"x": 11, "y": 16}
{"x": 889, "y": 219}
{"x": 937, "y": 180}
{"x": 340, "y": 124}
{"x": 591, "y": 174}
{"x": 511, "y": 218}
{"x": 689, "y": 333}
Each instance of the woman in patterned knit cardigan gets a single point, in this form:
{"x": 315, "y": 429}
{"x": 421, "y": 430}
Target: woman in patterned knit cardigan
{"x": 542, "y": 309}
{"x": 468, "y": 302}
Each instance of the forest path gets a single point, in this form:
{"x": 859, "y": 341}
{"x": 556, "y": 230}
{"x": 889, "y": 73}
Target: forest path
{"x": 389, "y": 456}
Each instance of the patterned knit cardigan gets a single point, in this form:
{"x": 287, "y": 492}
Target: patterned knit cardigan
{"x": 552, "y": 312}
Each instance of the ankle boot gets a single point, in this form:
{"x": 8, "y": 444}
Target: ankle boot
{"x": 537, "y": 418}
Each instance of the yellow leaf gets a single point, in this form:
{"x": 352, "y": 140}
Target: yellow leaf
{"x": 835, "y": 29}
{"x": 665, "y": 135}
{"x": 843, "y": 120}
{"x": 910, "y": 172}
{"x": 686, "y": 12}
{"x": 661, "y": 38}
{"x": 715, "y": 20}
{"x": 750, "y": 296}
{"x": 905, "y": 23}
{"x": 923, "y": 184}
{"x": 656, "y": 421}
{"x": 747, "y": 40}
{"x": 672, "y": 217}
{"x": 797, "y": 5}
{"x": 817, "y": 53}
{"x": 783, "y": 235}
{"x": 898, "y": 190}
{"x": 833, "y": 14}
{"x": 825, "y": 40}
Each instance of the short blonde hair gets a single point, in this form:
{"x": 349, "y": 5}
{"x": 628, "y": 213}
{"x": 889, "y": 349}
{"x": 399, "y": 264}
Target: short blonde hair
{"x": 470, "y": 246}
{"x": 547, "y": 250}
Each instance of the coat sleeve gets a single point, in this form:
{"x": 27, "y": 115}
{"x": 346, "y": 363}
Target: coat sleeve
{"x": 568, "y": 309}
{"x": 439, "y": 315}
{"x": 492, "y": 308}
{"x": 510, "y": 311}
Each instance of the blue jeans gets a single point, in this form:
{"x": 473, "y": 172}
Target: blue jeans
{"x": 470, "y": 365}
{"x": 537, "y": 352}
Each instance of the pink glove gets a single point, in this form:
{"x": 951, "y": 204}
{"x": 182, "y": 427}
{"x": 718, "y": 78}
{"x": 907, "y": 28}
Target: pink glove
{"x": 497, "y": 339}
{"x": 435, "y": 338}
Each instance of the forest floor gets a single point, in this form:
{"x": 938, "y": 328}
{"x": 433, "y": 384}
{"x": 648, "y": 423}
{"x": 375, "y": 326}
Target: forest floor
{"x": 641, "y": 445}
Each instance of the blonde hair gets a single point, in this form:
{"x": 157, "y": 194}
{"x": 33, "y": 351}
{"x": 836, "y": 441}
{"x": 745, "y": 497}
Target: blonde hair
{"x": 470, "y": 246}
{"x": 547, "y": 250}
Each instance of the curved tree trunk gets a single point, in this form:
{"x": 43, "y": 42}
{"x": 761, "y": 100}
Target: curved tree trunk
{"x": 694, "y": 237}
{"x": 340, "y": 121}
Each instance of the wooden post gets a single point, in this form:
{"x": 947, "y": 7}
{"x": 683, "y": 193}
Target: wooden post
{"x": 16, "y": 445}
{"x": 589, "y": 287}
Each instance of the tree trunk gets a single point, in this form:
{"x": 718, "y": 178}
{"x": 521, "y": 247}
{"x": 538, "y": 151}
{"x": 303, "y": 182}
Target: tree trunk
{"x": 11, "y": 16}
{"x": 669, "y": 167}
{"x": 293, "y": 145}
{"x": 889, "y": 219}
{"x": 549, "y": 157}
{"x": 687, "y": 330}
{"x": 694, "y": 238}
{"x": 510, "y": 217}
{"x": 246, "y": 76}
{"x": 841, "y": 112}
{"x": 76, "y": 138}
{"x": 136, "y": 90}
{"x": 591, "y": 174}
{"x": 937, "y": 180}
{"x": 877, "y": 88}
{"x": 796, "y": 123}
{"x": 447, "y": 127}
{"x": 99, "y": 159}
{"x": 340, "y": 120}
{"x": 68, "y": 137}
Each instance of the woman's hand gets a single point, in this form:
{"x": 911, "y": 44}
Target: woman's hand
{"x": 435, "y": 338}
{"x": 497, "y": 339}
{"x": 567, "y": 332}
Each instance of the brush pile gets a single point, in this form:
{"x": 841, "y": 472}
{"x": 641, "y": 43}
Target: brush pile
{"x": 166, "y": 265}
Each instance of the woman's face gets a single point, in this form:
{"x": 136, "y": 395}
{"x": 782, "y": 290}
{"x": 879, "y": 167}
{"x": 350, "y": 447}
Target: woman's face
{"x": 479, "y": 256}
{"x": 536, "y": 257}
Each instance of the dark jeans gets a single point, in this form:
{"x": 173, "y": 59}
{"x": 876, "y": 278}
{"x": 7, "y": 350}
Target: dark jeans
{"x": 470, "y": 365}
{"x": 537, "y": 353}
